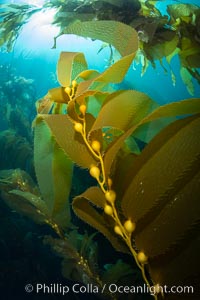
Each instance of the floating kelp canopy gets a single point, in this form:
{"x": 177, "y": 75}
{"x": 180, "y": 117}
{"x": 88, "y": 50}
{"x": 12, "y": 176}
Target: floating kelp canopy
{"x": 160, "y": 36}
{"x": 13, "y": 17}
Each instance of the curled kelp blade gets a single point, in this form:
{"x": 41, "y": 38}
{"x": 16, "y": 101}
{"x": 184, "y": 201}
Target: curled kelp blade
{"x": 94, "y": 195}
{"x": 55, "y": 98}
{"x": 44, "y": 105}
{"x": 54, "y": 173}
{"x": 121, "y": 36}
{"x": 73, "y": 66}
{"x": 86, "y": 206}
{"x": 58, "y": 95}
{"x": 70, "y": 64}
{"x": 88, "y": 74}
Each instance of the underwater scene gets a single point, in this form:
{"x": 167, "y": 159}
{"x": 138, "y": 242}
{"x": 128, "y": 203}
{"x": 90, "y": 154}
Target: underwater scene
{"x": 100, "y": 149}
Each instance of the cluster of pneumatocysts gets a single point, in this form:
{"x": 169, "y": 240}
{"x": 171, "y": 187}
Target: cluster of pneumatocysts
{"x": 71, "y": 91}
{"x": 126, "y": 229}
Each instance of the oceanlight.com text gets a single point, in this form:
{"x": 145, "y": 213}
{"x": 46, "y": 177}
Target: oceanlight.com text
{"x": 57, "y": 288}
{"x": 152, "y": 290}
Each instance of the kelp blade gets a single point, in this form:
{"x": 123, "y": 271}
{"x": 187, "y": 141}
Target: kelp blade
{"x": 123, "y": 108}
{"x": 71, "y": 142}
{"x": 85, "y": 206}
{"x": 121, "y": 36}
{"x": 70, "y": 64}
{"x": 54, "y": 173}
{"x": 182, "y": 108}
{"x": 162, "y": 197}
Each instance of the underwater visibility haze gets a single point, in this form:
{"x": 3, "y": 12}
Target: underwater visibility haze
{"x": 100, "y": 149}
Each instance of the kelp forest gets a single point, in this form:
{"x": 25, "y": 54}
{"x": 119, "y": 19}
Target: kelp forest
{"x": 100, "y": 185}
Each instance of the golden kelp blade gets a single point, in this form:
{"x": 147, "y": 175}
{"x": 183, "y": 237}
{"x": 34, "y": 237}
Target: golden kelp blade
{"x": 83, "y": 206}
{"x": 121, "y": 36}
{"x": 54, "y": 173}
{"x": 184, "y": 107}
{"x": 68, "y": 140}
{"x": 162, "y": 198}
{"x": 70, "y": 64}
{"x": 73, "y": 67}
{"x": 44, "y": 105}
{"x": 122, "y": 108}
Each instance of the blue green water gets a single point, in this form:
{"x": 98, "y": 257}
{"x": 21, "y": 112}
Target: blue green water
{"x": 33, "y": 57}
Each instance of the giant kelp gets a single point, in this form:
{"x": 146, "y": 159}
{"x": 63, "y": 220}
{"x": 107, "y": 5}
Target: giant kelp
{"x": 77, "y": 84}
{"x": 167, "y": 182}
{"x": 160, "y": 37}
{"x": 139, "y": 196}
{"x": 140, "y": 193}
{"x": 49, "y": 204}
{"x": 13, "y": 17}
